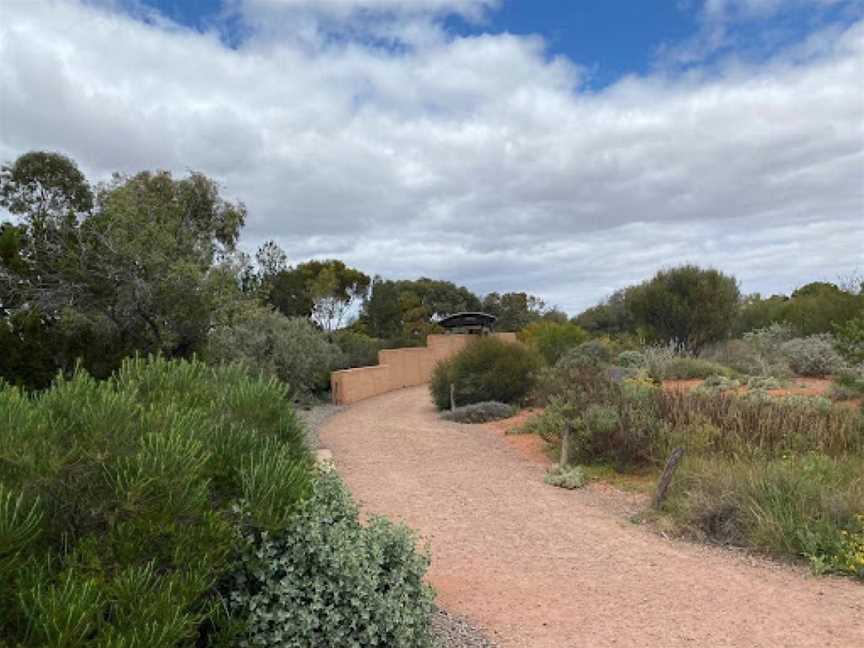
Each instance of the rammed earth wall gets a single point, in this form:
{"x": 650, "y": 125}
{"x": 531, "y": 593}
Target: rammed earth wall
{"x": 398, "y": 368}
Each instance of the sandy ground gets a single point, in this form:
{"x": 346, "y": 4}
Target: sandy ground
{"x": 541, "y": 567}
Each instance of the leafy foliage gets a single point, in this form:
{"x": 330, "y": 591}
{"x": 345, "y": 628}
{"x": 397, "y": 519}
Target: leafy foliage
{"x": 571, "y": 477}
{"x": 327, "y": 580}
{"x": 552, "y": 339}
{"x": 121, "y": 490}
{"x": 686, "y": 305}
{"x": 290, "y": 349}
{"x": 488, "y": 369}
{"x": 359, "y": 349}
{"x": 813, "y": 356}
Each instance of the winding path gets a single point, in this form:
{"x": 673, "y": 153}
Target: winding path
{"x": 541, "y": 567}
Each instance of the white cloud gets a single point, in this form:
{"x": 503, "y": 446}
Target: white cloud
{"x": 478, "y": 159}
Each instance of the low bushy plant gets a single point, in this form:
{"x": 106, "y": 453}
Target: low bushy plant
{"x": 848, "y": 384}
{"x": 813, "y": 356}
{"x": 631, "y": 359}
{"x": 115, "y": 498}
{"x": 849, "y": 339}
{"x": 487, "y": 369}
{"x": 327, "y": 580}
{"x": 803, "y": 506}
{"x": 718, "y": 385}
{"x": 552, "y": 339}
{"x": 359, "y": 349}
{"x": 480, "y": 412}
{"x": 764, "y": 383}
{"x": 569, "y": 477}
{"x": 291, "y": 349}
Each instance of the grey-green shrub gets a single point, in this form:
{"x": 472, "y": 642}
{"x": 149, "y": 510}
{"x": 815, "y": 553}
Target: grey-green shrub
{"x": 480, "y": 412}
{"x": 291, "y": 349}
{"x": 813, "y": 356}
{"x": 359, "y": 350}
{"x": 327, "y": 580}
{"x": 487, "y": 369}
{"x": 631, "y": 359}
{"x": 569, "y": 477}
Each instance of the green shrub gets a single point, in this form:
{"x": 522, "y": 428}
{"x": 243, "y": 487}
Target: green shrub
{"x": 813, "y": 356}
{"x": 480, "y": 412}
{"x": 290, "y": 349}
{"x": 717, "y": 385}
{"x": 327, "y": 580}
{"x": 849, "y": 340}
{"x": 571, "y": 477}
{"x": 552, "y": 339}
{"x": 806, "y": 506}
{"x": 488, "y": 369}
{"x": 848, "y": 384}
{"x": 359, "y": 350}
{"x": 631, "y": 359}
{"x": 121, "y": 491}
{"x": 764, "y": 383}
{"x": 686, "y": 368}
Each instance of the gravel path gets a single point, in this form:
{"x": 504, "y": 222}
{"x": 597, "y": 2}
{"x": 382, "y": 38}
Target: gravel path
{"x": 541, "y": 567}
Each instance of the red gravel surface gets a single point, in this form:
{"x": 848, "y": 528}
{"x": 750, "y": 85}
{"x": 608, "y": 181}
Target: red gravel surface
{"x": 541, "y": 567}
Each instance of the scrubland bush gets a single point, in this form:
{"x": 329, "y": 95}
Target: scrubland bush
{"x": 848, "y": 383}
{"x": 488, "y": 369}
{"x": 327, "y": 580}
{"x": 290, "y": 349}
{"x": 116, "y": 494}
{"x": 764, "y": 383}
{"x": 805, "y": 506}
{"x": 570, "y": 477}
{"x": 631, "y": 359}
{"x": 849, "y": 340}
{"x": 359, "y": 350}
{"x": 480, "y": 412}
{"x": 674, "y": 363}
{"x": 813, "y": 356}
{"x": 718, "y": 385}
{"x": 552, "y": 339}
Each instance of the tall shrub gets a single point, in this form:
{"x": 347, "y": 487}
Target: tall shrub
{"x": 552, "y": 339}
{"x": 290, "y": 349}
{"x": 488, "y": 369}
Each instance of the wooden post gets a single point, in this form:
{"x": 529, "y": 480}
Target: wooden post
{"x": 564, "y": 460}
{"x": 666, "y": 477}
{"x": 452, "y": 397}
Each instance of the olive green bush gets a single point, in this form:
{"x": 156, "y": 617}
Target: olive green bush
{"x": 116, "y": 495}
{"x": 327, "y": 580}
{"x": 480, "y": 412}
{"x": 848, "y": 383}
{"x": 570, "y": 477}
{"x": 291, "y": 349}
{"x": 359, "y": 349}
{"x": 488, "y": 369}
{"x": 802, "y": 506}
{"x": 552, "y": 339}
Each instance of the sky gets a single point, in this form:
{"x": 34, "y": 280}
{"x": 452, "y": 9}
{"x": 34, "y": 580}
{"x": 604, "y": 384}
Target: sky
{"x": 566, "y": 149}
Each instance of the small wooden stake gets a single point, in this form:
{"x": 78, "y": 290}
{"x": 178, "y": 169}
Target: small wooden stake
{"x": 452, "y": 397}
{"x": 565, "y": 446}
{"x": 666, "y": 477}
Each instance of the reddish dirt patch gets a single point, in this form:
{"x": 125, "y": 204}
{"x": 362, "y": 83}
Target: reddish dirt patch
{"x": 542, "y": 567}
{"x": 531, "y": 446}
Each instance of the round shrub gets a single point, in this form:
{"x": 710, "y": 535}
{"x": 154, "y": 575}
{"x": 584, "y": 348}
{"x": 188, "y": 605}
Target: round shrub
{"x": 290, "y": 349}
{"x": 813, "y": 356}
{"x": 327, "y": 580}
{"x": 552, "y": 339}
{"x": 588, "y": 354}
{"x": 488, "y": 369}
{"x": 631, "y": 359}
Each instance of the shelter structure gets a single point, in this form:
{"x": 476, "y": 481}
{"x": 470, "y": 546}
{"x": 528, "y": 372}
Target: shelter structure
{"x": 469, "y": 323}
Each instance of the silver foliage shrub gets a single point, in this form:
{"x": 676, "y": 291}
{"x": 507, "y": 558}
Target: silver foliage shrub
{"x": 329, "y": 581}
{"x": 813, "y": 356}
{"x": 480, "y": 412}
{"x": 290, "y": 349}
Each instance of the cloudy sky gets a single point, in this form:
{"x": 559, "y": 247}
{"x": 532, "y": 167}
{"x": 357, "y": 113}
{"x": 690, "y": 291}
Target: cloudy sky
{"x": 563, "y": 148}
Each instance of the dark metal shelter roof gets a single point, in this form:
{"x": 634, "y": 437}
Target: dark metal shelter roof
{"x": 458, "y": 320}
